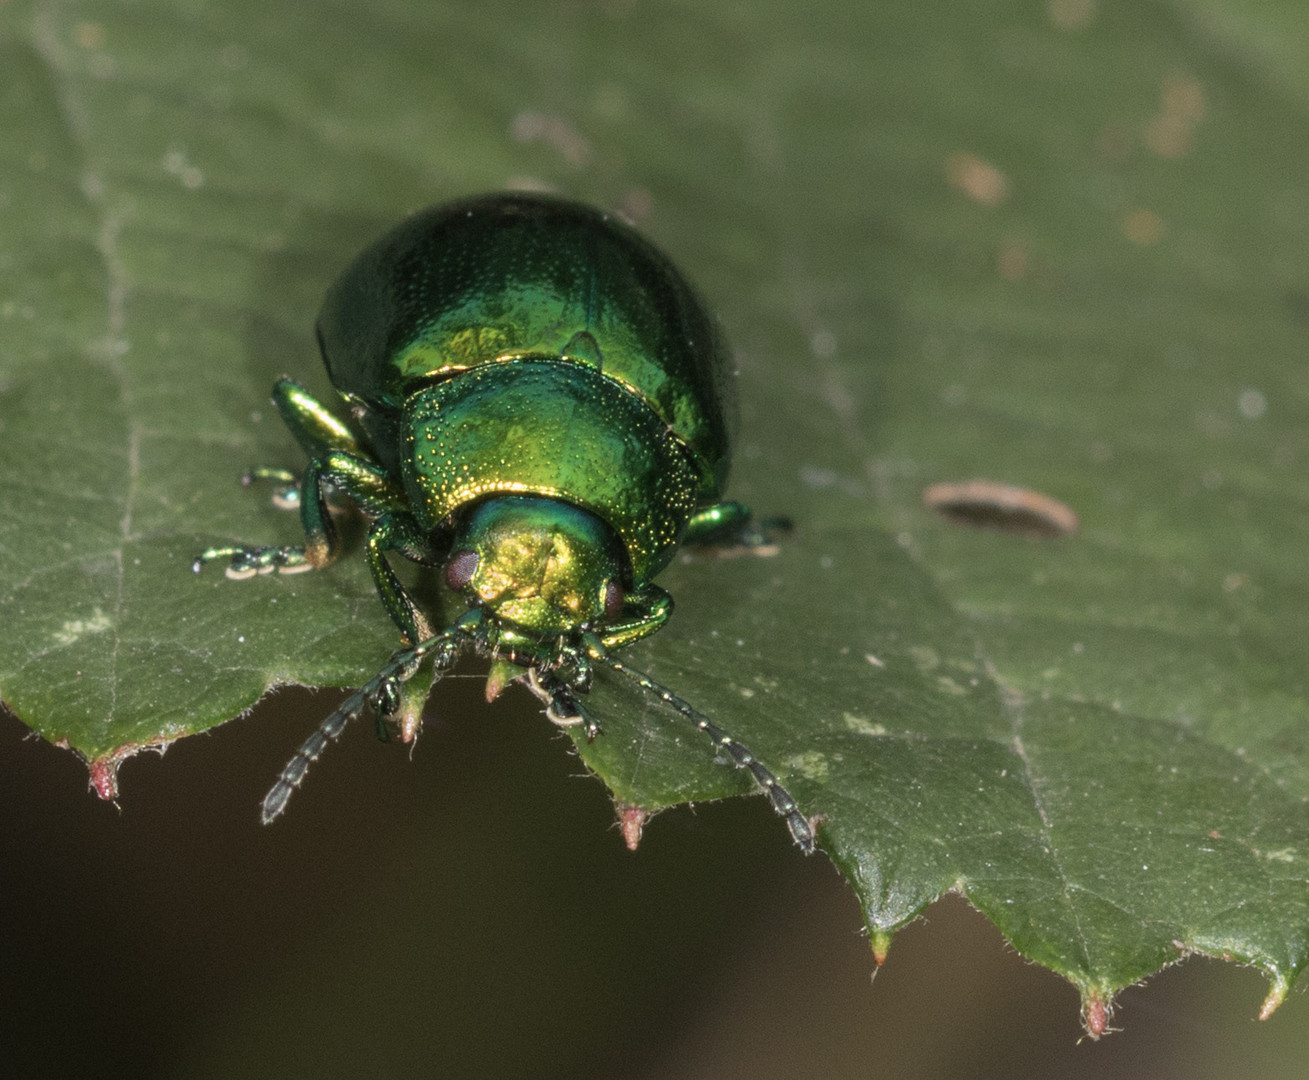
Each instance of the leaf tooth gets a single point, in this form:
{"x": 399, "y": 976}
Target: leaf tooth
{"x": 880, "y": 941}
{"x": 1097, "y": 1012}
{"x": 1277, "y": 992}
{"x": 631, "y": 822}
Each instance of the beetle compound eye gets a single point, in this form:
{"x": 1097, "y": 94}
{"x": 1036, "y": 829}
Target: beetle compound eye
{"x": 613, "y": 599}
{"x": 459, "y": 570}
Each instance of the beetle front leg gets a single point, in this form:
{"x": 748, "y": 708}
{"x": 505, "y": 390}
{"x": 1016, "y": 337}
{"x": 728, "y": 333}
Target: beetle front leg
{"x": 397, "y": 531}
{"x": 643, "y": 614}
{"x": 562, "y": 706}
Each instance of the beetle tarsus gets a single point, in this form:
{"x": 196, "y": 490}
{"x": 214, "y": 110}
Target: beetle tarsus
{"x": 561, "y": 704}
{"x": 247, "y": 562}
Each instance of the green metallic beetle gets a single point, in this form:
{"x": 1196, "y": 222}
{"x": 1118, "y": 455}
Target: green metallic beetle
{"x": 537, "y": 404}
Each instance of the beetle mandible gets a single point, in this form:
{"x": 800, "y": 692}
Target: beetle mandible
{"x": 538, "y": 408}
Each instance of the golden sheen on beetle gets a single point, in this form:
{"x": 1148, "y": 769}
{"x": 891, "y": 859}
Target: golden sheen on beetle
{"x": 539, "y": 406}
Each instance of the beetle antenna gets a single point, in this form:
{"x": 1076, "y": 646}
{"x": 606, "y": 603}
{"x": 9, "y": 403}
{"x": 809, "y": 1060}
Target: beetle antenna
{"x": 743, "y": 757}
{"x": 381, "y": 693}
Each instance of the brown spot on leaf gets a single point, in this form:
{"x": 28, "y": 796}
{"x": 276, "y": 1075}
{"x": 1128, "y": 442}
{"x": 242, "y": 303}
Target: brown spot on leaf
{"x": 1012, "y": 260}
{"x": 985, "y": 504}
{"x": 1170, "y": 132}
{"x": 1071, "y": 14}
{"x": 977, "y": 179}
{"x": 1143, "y": 227}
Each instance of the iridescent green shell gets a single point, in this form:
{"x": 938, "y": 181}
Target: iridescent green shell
{"x": 511, "y": 276}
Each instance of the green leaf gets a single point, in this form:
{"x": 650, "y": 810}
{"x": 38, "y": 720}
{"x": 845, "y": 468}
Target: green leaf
{"x": 1056, "y": 246}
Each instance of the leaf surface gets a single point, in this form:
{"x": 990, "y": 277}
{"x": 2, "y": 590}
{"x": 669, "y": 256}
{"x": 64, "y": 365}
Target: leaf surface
{"x": 1056, "y": 246}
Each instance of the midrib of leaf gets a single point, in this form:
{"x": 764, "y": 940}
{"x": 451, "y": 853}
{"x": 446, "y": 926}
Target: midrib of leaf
{"x": 1011, "y": 706}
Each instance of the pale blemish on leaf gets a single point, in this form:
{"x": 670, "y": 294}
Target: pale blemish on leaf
{"x": 75, "y": 629}
{"x": 861, "y": 725}
{"x": 1252, "y": 404}
{"x": 949, "y": 686}
{"x": 176, "y": 163}
{"x": 811, "y": 765}
{"x": 977, "y": 179}
{"x": 925, "y": 658}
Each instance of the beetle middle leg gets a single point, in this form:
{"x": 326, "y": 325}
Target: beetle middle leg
{"x": 286, "y": 496}
{"x": 730, "y": 525}
{"x": 336, "y": 459}
{"x": 361, "y": 481}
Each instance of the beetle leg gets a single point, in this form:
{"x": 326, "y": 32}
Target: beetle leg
{"x": 363, "y": 482}
{"x": 392, "y": 529}
{"x": 287, "y": 494}
{"x": 562, "y": 706}
{"x": 360, "y": 480}
{"x": 643, "y": 614}
{"x": 245, "y": 562}
{"x": 730, "y": 525}
{"x": 336, "y": 459}
{"x": 742, "y": 756}
{"x": 314, "y": 426}
{"x": 397, "y": 531}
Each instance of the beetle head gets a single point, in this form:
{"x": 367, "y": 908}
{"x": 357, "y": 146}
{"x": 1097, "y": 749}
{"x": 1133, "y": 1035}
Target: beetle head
{"x": 544, "y": 565}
